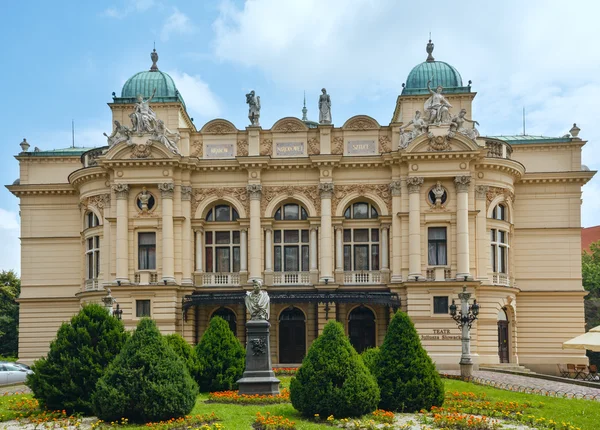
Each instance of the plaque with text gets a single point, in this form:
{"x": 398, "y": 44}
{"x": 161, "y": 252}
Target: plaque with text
{"x": 361, "y": 147}
{"x": 218, "y": 150}
{"x": 289, "y": 149}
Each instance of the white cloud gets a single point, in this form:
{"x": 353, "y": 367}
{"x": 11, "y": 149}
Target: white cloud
{"x": 130, "y": 7}
{"x": 9, "y": 238}
{"x": 199, "y": 99}
{"x": 176, "y": 23}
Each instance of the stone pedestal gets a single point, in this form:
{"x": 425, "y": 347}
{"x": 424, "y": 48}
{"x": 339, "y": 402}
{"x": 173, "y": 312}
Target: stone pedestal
{"x": 258, "y": 378}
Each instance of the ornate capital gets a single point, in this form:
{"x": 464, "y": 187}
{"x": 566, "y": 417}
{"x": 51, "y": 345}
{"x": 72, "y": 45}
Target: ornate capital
{"x": 481, "y": 192}
{"x": 166, "y": 190}
{"x": 254, "y": 191}
{"x": 414, "y": 183}
{"x": 462, "y": 183}
{"x": 396, "y": 188}
{"x": 326, "y": 190}
{"x": 121, "y": 191}
{"x": 186, "y": 192}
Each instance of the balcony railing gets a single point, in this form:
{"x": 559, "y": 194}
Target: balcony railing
{"x": 362, "y": 277}
{"x": 145, "y": 278}
{"x": 92, "y": 285}
{"x": 501, "y": 279}
{"x": 438, "y": 274}
{"x": 291, "y": 278}
{"x": 220, "y": 279}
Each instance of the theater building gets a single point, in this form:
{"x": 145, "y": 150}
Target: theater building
{"x": 348, "y": 222}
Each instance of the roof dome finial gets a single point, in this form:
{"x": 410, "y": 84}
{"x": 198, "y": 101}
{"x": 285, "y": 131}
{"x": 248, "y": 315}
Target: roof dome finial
{"x": 429, "y": 50}
{"x": 154, "y": 58}
{"x": 304, "y": 110}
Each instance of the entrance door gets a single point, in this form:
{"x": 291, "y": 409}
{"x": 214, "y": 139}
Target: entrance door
{"x": 503, "y": 350}
{"x": 292, "y": 336}
{"x": 361, "y": 326}
{"x": 227, "y": 315}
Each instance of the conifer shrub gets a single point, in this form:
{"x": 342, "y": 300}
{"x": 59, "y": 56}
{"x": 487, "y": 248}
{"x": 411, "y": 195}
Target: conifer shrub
{"x": 333, "y": 379}
{"x": 146, "y": 382}
{"x": 405, "y": 373}
{"x": 222, "y": 357}
{"x": 186, "y": 352}
{"x": 83, "y": 348}
{"x": 370, "y": 357}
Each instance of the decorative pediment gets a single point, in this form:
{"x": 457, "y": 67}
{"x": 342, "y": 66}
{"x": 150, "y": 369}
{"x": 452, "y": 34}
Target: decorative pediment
{"x": 219, "y": 126}
{"x": 289, "y": 125}
{"x": 441, "y": 141}
{"x": 361, "y": 123}
{"x": 139, "y": 148}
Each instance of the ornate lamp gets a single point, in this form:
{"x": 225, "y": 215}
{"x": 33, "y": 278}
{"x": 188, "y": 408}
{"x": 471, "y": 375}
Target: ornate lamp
{"x": 464, "y": 319}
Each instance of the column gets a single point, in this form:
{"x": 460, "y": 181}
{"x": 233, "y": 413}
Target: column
{"x": 384, "y": 248}
{"x": 268, "y": 250}
{"x": 414, "y": 227}
{"x": 199, "y": 249}
{"x": 481, "y": 234}
{"x": 244, "y": 250}
{"x": 313, "y": 249}
{"x": 122, "y": 241}
{"x": 396, "y": 191}
{"x": 186, "y": 235}
{"x": 255, "y": 195}
{"x": 168, "y": 240}
{"x": 105, "y": 251}
{"x": 326, "y": 191}
{"x": 339, "y": 249}
{"x": 462, "y": 226}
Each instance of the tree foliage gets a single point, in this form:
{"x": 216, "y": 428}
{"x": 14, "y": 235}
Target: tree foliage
{"x": 222, "y": 357}
{"x": 405, "y": 373}
{"x": 590, "y": 272}
{"x": 187, "y": 354}
{"x": 10, "y": 288}
{"x": 147, "y": 381}
{"x": 333, "y": 379}
{"x": 83, "y": 348}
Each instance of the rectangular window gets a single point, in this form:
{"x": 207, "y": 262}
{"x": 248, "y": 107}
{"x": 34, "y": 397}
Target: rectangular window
{"x": 361, "y": 235}
{"x": 222, "y": 237}
{"x": 208, "y": 259}
{"x": 294, "y": 256}
{"x": 223, "y": 259}
{"x": 347, "y": 258}
{"x": 440, "y": 304}
{"x": 291, "y": 259}
{"x": 142, "y": 308}
{"x": 437, "y": 250}
{"x": 147, "y": 251}
{"x": 305, "y": 258}
{"x": 277, "y": 252}
{"x": 361, "y": 257}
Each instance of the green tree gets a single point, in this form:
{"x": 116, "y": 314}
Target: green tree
{"x": 333, "y": 379}
{"x": 222, "y": 357}
{"x": 147, "y": 381}
{"x": 187, "y": 354}
{"x": 83, "y": 348}
{"x": 405, "y": 373}
{"x": 590, "y": 272}
{"x": 10, "y": 288}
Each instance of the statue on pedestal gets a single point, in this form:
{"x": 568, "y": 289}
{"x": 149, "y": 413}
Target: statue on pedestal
{"x": 253, "y": 102}
{"x": 324, "y": 108}
{"x": 257, "y": 302}
{"x": 437, "y": 106}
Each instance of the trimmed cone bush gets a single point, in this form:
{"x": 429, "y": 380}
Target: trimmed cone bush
{"x": 370, "y": 357}
{"x": 405, "y": 373}
{"x": 333, "y": 379}
{"x": 83, "y": 348}
{"x": 186, "y": 352}
{"x": 222, "y": 357}
{"x": 146, "y": 382}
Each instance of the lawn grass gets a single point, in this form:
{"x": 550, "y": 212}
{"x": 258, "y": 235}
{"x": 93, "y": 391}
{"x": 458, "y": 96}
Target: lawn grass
{"x": 584, "y": 414}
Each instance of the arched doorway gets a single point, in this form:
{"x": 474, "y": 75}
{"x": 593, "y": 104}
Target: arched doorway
{"x": 292, "y": 336}
{"x": 227, "y": 315}
{"x": 361, "y": 326}
{"x": 503, "y": 344}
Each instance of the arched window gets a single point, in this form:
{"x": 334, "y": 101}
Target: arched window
{"x": 361, "y": 240}
{"x": 361, "y": 210}
{"x": 91, "y": 220}
{"x": 290, "y": 211}
{"x": 291, "y": 241}
{"x": 92, "y": 252}
{"x": 222, "y": 213}
{"x": 361, "y": 327}
{"x": 221, "y": 245}
{"x": 499, "y": 212}
{"x": 229, "y": 316}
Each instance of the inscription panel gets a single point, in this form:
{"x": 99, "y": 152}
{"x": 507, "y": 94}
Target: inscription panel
{"x": 219, "y": 150}
{"x": 289, "y": 149}
{"x": 361, "y": 147}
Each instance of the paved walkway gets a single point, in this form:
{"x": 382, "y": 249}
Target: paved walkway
{"x": 534, "y": 384}
{"x": 13, "y": 389}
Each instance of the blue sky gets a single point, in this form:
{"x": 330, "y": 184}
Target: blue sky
{"x": 62, "y": 60}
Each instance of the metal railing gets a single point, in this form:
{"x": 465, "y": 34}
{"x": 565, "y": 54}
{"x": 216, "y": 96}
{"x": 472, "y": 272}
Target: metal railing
{"x": 291, "y": 278}
{"x": 220, "y": 279}
{"x": 362, "y": 277}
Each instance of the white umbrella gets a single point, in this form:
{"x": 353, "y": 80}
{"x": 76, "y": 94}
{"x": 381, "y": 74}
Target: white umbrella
{"x": 589, "y": 340}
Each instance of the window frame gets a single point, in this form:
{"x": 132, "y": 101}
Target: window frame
{"x": 437, "y": 242}
{"x": 92, "y": 255}
{"x": 137, "y": 308}
{"x": 372, "y": 211}
{"x": 349, "y": 247}
{"x": 212, "y": 249}
{"x": 148, "y": 247}
{"x": 434, "y": 305}
{"x": 499, "y": 250}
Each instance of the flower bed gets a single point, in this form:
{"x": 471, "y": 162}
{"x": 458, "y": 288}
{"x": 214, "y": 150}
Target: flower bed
{"x": 378, "y": 419}
{"x": 202, "y": 422}
{"x": 245, "y": 399}
{"x": 272, "y": 422}
{"x": 285, "y": 371}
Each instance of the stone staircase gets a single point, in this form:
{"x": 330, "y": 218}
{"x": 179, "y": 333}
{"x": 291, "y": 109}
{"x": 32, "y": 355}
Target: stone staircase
{"x": 505, "y": 368}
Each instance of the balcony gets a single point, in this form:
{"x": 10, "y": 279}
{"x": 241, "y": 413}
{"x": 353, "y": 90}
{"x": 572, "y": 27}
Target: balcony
{"x": 501, "y": 279}
{"x": 438, "y": 274}
{"x": 291, "y": 278}
{"x": 145, "y": 278}
{"x": 363, "y": 277}
{"x": 91, "y": 285}
{"x": 220, "y": 279}
{"x": 497, "y": 149}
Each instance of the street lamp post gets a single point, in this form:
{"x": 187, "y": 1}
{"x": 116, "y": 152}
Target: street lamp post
{"x": 464, "y": 318}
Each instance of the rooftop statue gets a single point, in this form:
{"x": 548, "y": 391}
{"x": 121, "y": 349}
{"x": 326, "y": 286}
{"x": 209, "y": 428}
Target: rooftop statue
{"x": 166, "y": 137}
{"x": 324, "y": 108}
{"x": 253, "y": 102}
{"x": 143, "y": 117}
{"x": 458, "y": 125}
{"x": 119, "y": 134}
{"x": 437, "y": 106}
{"x": 257, "y": 302}
{"x": 419, "y": 128}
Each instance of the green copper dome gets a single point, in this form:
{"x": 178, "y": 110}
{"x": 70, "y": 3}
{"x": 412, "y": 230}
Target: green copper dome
{"x": 144, "y": 83}
{"x": 440, "y": 73}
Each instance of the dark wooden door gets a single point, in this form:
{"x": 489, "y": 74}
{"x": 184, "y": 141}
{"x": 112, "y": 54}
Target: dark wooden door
{"x": 292, "y": 336}
{"x": 361, "y": 327}
{"x": 503, "y": 341}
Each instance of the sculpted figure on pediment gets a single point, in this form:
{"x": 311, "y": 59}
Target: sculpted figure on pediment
{"x": 119, "y": 134}
{"x": 166, "y": 137}
{"x": 458, "y": 125}
{"x": 143, "y": 117}
{"x": 437, "y": 106}
{"x": 419, "y": 128}
{"x": 253, "y": 102}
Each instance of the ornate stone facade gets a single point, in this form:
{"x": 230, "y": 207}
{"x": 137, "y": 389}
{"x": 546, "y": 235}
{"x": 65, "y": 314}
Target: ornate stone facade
{"x": 238, "y": 194}
{"x": 380, "y": 190}
{"x": 271, "y": 192}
